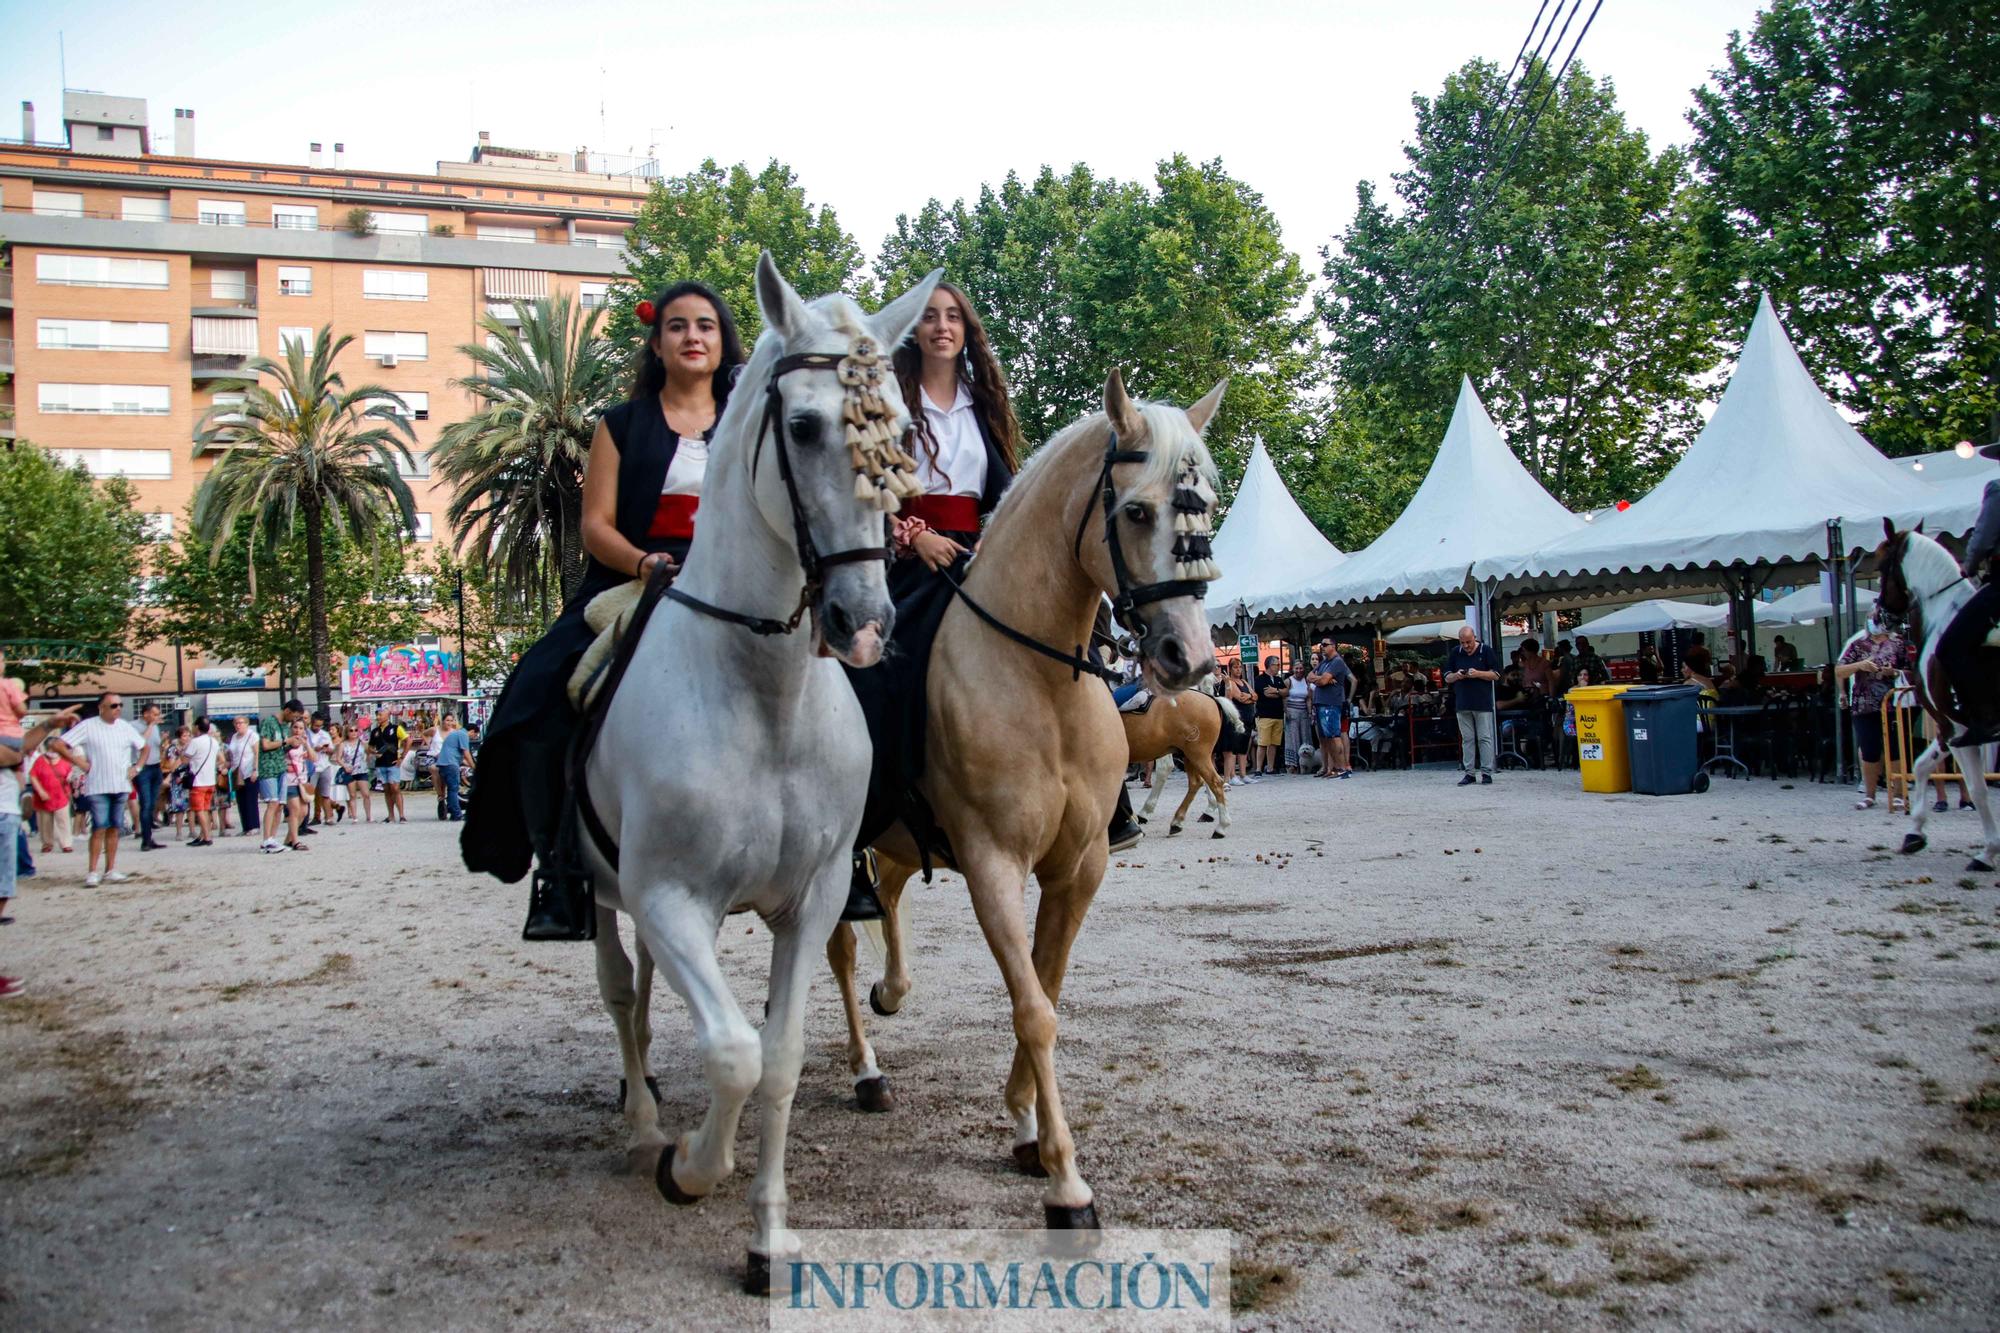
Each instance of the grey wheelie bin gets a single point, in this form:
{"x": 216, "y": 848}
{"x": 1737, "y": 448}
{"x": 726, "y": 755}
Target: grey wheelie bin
{"x": 1660, "y": 737}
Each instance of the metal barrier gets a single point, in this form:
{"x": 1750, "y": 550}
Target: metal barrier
{"x": 1900, "y": 750}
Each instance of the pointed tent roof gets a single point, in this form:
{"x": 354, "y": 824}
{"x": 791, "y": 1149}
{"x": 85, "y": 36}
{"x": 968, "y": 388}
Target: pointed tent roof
{"x": 1476, "y": 501}
{"x": 1757, "y": 487}
{"x": 1264, "y": 541}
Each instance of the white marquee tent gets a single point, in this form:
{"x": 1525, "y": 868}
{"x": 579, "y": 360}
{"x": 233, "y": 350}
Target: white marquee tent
{"x": 1804, "y": 606}
{"x": 1477, "y": 501}
{"x": 1755, "y": 490}
{"x": 1265, "y": 543}
{"x": 1642, "y": 617}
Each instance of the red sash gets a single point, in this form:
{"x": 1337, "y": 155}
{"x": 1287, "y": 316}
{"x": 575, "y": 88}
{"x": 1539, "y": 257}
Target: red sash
{"x": 674, "y": 517}
{"x": 944, "y": 513}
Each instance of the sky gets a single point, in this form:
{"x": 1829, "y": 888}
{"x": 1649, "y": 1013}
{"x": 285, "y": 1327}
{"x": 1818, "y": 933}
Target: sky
{"x": 877, "y": 105}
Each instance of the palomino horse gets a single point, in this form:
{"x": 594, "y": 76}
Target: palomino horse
{"x": 719, "y": 684}
{"x": 1024, "y": 755}
{"x": 1192, "y": 723}
{"x": 1921, "y": 586}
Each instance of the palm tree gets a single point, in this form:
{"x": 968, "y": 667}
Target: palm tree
{"x": 516, "y": 464}
{"x": 309, "y": 450}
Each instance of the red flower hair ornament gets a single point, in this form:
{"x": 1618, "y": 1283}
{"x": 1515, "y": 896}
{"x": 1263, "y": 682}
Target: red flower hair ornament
{"x": 644, "y": 310}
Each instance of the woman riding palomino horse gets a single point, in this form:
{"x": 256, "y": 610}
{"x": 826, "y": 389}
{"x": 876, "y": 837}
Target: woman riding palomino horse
{"x": 1024, "y": 755}
{"x": 1193, "y": 723}
{"x": 1922, "y": 586}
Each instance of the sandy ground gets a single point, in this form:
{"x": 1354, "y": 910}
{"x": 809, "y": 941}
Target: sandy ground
{"x": 1504, "y": 1057}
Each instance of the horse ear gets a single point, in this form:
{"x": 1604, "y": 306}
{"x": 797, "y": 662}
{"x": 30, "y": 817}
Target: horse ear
{"x": 783, "y": 310}
{"x": 1204, "y": 411}
{"x": 1919, "y": 527}
{"x": 1118, "y": 406}
{"x": 893, "y": 322}
{"x": 1888, "y": 530}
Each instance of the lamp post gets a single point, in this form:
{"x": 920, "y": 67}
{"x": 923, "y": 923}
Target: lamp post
{"x": 464, "y": 685}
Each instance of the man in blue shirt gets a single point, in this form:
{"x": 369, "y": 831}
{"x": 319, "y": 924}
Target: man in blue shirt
{"x": 1332, "y": 680}
{"x": 1470, "y": 669}
{"x": 454, "y": 755}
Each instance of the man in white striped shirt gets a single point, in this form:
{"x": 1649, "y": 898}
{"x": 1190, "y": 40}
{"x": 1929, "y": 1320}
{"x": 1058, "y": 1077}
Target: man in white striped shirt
{"x": 108, "y": 749}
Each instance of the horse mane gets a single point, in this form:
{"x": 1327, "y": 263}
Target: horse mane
{"x": 1927, "y": 566}
{"x": 1171, "y": 444}
{"x": 840, "y": 313}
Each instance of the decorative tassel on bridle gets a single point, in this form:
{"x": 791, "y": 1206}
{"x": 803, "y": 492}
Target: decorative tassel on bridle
{"x": 1194, "y": 501}
{"x": 884, "y": 472}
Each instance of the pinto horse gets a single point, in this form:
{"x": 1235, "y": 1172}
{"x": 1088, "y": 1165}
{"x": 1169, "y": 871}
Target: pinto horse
{"x": 1024, "y": 753}
{"x": 1921, "y": 586}
{"x": 1191, "y": 723}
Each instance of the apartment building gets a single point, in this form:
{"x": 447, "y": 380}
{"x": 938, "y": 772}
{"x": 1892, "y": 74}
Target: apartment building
{"x": 137, "y": 283}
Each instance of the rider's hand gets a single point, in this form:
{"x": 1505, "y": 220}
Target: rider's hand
{"x": 936, "y": 550}
{"x": 648, "y": 562}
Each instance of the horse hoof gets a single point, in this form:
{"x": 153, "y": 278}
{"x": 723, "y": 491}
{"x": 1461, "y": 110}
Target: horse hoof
{"x": 1142, "y": 819}
{"x": 1070, "y": 1219}
{"x": 1978, "y": 866}
{"x": 757, "y": 1275}
{"x": 875, "y": 1001}
{"x": 873, "y": 1094}
{"x": 1173, "y": 830}
{"x": 663, "y": 1176}
{"x": 1914, "y": 842}
{"x": 1216, "y": 834}
{"x": 1206, "y": 819}
{"x": 1028, "y": 1158}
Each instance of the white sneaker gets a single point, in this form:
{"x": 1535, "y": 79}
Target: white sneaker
{"x": 274, "y": 846}
{"x": 116, "y": 877}
{"x": 92, "y": 880}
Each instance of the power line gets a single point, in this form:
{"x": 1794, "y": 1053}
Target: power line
{"x": 1533, "y": 78}
{"x": 1510, "y": 89}
{"x": 1555, "y": 86}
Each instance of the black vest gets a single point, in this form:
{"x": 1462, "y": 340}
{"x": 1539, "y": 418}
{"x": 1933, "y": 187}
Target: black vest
{"x": 646, "y": 448}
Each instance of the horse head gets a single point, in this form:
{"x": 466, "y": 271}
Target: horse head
{"x": 1911, "y": 567}
{"x": 1892, "y": 593}
{"x": 830, "y": 398}
{"x": 1155, "y": 560}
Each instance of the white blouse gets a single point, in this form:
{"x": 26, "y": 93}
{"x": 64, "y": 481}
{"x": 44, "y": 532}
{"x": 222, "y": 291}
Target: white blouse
{"x": 961, "y": 450}
{"x": 689, "y": 466}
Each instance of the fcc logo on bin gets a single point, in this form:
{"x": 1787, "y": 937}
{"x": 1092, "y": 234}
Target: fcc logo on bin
{"x": 1003, "y": 1279}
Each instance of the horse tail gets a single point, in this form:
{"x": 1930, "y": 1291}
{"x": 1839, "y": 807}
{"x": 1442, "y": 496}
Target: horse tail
{"x": 1232, "y": 721}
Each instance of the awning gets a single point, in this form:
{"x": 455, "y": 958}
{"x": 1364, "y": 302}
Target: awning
{"x": 225, "y": 337}
{"x": 515, "y": 284}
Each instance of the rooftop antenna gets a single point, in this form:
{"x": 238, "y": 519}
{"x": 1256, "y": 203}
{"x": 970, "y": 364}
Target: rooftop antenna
{"x": 62, "y": 58}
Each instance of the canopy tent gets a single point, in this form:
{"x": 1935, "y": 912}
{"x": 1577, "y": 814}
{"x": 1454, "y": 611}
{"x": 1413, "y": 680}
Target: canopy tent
{"x": 1805, "y": 606}
{"x": 1425, "y": 633}
{"x": 1753, "y": 494}
{"x": 1266, "y": 542}
{"x": 1642, "y": 617}
{"x": 1476, "y": 502}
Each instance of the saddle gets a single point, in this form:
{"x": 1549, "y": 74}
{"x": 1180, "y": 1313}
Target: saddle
{"x": 610, "y": 613}
{"x": 1139, "y": 701}
{"x": 619, "y": 615}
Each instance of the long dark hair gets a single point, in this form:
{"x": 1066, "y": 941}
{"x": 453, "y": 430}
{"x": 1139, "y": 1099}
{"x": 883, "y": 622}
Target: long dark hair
{"x": 650, "y": 375}
{"x": 978, "y": 370}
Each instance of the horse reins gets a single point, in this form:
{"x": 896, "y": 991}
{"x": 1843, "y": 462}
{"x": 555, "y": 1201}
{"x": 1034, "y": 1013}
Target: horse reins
{"x": 810, "y": 560}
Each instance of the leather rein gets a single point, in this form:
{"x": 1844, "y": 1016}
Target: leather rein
{"x": 811, "y": 561}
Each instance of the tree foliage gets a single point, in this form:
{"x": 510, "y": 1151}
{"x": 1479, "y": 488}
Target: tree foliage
{"x": 1178, "y": 285}
{"x": 1559, "y": 285}
{"x": 1851, "y": 153}
{"x": 710, "y": 225}
{"x": 70, "y": 552}
{"x": 500, "y": 624}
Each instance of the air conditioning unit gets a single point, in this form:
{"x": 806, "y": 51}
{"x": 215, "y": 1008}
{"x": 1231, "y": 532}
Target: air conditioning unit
{"x": 423, "y": 414}
{"x": 387, "y": 359}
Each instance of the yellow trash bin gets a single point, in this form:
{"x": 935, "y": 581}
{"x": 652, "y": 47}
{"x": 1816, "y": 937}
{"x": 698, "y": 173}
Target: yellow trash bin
{"x": 1600, "y": 737}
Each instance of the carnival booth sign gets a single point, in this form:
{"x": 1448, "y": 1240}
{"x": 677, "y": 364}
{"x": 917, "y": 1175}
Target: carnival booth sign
{"x": 401, "y": 671}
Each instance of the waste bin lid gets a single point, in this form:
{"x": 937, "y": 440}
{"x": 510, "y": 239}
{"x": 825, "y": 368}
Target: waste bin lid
{"x": 1591, "y": 694}
{"x": 1643, "y": 693}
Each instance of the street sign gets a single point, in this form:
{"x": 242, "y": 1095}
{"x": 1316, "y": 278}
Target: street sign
{"x": 1247, "y": 645}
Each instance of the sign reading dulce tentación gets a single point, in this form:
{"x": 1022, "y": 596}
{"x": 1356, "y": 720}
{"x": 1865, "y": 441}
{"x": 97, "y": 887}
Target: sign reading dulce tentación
{"x": 401, "y": 671}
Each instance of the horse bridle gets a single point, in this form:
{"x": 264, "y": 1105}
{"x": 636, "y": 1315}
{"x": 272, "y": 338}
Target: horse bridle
{"x": 1131, "y": 596}
{"x": 810, "y": 560}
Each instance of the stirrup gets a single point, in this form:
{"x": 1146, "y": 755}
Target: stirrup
{"x": 561, "y": 905}
{"x": 862, "y": 902}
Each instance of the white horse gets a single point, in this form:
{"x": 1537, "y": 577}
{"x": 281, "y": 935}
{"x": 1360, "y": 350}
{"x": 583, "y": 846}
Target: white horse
{"x": 731, "y": 769}
{"x": 1922, "y": 586}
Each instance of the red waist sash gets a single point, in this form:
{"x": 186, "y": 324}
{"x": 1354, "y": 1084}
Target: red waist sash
{"x": 674, "y": 517}
{"x": 944, "y": 513}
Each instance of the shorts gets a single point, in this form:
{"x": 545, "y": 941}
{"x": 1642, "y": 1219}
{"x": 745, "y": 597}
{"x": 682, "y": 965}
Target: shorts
{"x": 386, "y": 773}
{"x": 268, "y": 789}
{"x": 106, "y": 810}
{"x": 1270, "y": 731}
{"x": 324, "y": 779}
{"x": 201, "y": 799}
{"x": 1332, "y": 722}
{"x": 1868, "y": 737}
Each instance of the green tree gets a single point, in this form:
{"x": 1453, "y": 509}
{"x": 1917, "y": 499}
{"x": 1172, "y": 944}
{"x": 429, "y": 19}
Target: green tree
{"x": 1555, "y": 276}
{"x": 711, "y": 224}
{"x": 516, "y": 464}
{"x": 70, "y": 549}
{"x": 307, "y": 453}
{"x": 201, "y": 598}
{"x": 499, "y": 624}
{"x": 1851, "y": 152}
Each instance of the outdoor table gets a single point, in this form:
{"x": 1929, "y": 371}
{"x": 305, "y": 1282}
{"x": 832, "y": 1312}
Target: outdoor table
{"x": 1725, "y": 735}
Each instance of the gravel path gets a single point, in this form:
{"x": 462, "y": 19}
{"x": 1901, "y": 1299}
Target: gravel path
{"x": 1502, "y": 1057}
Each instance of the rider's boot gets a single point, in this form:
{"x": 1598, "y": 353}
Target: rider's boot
{"x": 561, "y": 902}
{"x": 862, "y": 904}
{"x": 1125, "y": 831}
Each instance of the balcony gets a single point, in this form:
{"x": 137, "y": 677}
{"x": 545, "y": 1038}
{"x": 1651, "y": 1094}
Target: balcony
{"x": 6, "y": 291}
{"x": 221, "y": 368}
{"x": 228, "y": 305}
{"x": 6, "y": 354}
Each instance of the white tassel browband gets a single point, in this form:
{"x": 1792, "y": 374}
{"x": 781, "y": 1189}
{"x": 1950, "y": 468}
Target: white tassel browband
{"x": 884, "y": 473}
{"x": 1194, "y": 500}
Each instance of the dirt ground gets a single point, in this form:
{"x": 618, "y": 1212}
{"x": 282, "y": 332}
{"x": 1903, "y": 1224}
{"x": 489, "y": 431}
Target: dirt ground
{"x": 1503, "y": 1057}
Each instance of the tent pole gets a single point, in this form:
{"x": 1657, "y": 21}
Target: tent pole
{"x": 1836, "y": 559}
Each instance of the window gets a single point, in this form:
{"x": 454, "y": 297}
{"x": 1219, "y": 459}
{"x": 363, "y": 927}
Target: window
{"x": 402, "y": 346}
{"x": 511, "y": 235}
{"x": 294, "y": 281}
{"x": 415, "y": 405}
{"x": 593, "y": 295}
{"x": 58, "y": 204}
{"x": 227, "y": 418}
{"x": 101, "y": 271}
{"x": 221, "y": 213}
{"x": 507, "y": 312}
{"x": 296, "y": 333}
{"x": 603, "y": 240}
{"x": 105, "y": 134}
{"x": 159, "y": 527}
{"x": 228, "y": 284}
{"x": 102, "y": 335}
{"x": 406, "y": 223}
{"x": 294, "y": 217}
{"x": 146, "y": 464}
{"x": 143, "y": 208}
{"x": 418, "y": 466}
{"x": 422, "y": 531}
{"x": 395, "y": 284}
{"x": 122, "y": 400}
